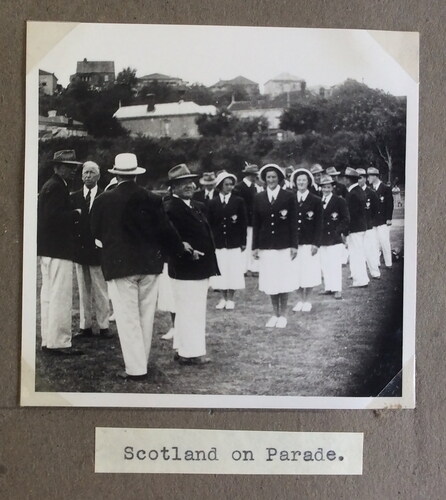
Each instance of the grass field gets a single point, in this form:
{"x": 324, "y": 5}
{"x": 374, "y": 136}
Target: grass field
{"x": 342, "y": 348}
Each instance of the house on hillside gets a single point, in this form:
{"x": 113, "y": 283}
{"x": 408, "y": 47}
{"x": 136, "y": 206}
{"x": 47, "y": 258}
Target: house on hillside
{"x": 52, "y": 126}
{"x": 158, "y": 78}
{"x": 259, "y": 109}
{"x": 236, "y": 84}
{"x": 47, "y": 82}
{"x": 96, "y": 74}
{"x": 285, "y": 82}
{"x": 173, "y": 119}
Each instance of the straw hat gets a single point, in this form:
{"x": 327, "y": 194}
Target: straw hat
{"x": 271, "y": 166}
{"x": 300, "y": 171}
{"x": 126, "y": 164}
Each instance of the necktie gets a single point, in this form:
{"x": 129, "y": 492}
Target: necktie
{"x": 272, "y": 200}
{"x": 207, "y": 197}
{"x": 88, "y": 199}
{"x": 324, "y": 202}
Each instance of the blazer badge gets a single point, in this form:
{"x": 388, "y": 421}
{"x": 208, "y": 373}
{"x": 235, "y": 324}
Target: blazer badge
{"x": 334, "y": 216}
{"x": 283, "y": 214}
{"x": 310, "y": 215}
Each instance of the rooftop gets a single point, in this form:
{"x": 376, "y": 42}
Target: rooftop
{"x": 95, "y": 67}
{"x": 166, "y": 109}
{"x": 158, "y": 76}
{"x": 286, "y": 77}
{"x": 238, "y": 80}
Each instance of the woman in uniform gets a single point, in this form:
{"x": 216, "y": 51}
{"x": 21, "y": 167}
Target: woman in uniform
{"x": 307, "y": 267}
{"x": 228, "y": 220}
{"x": 275, "y": 241}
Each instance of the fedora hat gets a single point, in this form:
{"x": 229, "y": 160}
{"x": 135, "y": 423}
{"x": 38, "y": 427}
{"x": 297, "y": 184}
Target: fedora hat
{"x": 361, "y": 171}
{"x": 224, "y": 175}
{"x": 250, "y": 168}
{"x": 372, "y": 171}
{"x": 271, "y": 166}
{"x": 67, "y": 157}
{"x": 332, "y": 171}
{"x": 207, "y": 178}
{"x": 126, "y": 164}
{"x": 178, "y": 173}
{"x": 304, "y": 171}
{"x": 350, "y": 172}
{"x": 326, "y": 179}
{"x": 316, "y": 169}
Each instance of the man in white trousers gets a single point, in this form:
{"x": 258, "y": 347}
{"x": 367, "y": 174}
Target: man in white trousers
{"x": 355, "y": 240}
{"x": 87, "y": 258}
{"x": 56, "y": 217}
{"x": 383, "y": 219}
{"x": 135, "y": 233}
{"x": 370, "y": 239}
{"x": 190, "y": 273}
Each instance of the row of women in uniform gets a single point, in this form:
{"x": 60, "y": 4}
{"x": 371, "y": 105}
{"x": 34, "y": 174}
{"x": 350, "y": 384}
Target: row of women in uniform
{"x": 297, "y": 238}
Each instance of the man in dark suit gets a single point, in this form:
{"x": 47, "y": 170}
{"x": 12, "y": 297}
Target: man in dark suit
{"x": 208, "y": 191}
{"x": 247, "y": 189}
{"x": 190, "y": 273}
{"x": 56, "y": 217}
{"x": 383, "y": 219}
{"x": 134, "y": 231}
{"x": 335, "y": 223}
{"x": 87, "y": 258}
{"x": 316, "y": 171}
{"x": 355, "y": 240}
{"x": 370, "y": 238}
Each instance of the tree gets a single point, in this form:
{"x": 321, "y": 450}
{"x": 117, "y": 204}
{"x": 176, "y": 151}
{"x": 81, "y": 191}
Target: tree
{"x": 127, "y": 77}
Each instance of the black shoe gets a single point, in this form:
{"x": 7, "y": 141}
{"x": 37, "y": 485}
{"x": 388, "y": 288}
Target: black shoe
{"x": 136, "y": 378}
{"x": 65, "y": 351}
{"x": 193, "y": 361}
{"x": 83, "y": 332}
{"x": 105, "y": 333}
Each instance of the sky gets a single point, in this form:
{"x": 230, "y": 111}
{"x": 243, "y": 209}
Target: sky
{"x": 206, "y": 54}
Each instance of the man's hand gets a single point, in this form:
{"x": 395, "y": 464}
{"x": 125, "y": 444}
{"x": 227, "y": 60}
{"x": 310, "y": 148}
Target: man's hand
{"x": 255, "y": 254}
{"x": 389, "y": 222}
{"x": 196, "y": 254}
{"x": 187, "y": 247}
{"x": 293, "y": 253}
{"x": 314, "y": 249}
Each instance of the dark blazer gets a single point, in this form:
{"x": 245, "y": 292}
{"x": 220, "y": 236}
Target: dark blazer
{"x": 274, "y": 226}
{"x": 309, "y": 220}
{"x": 247, "y": 194}
{"x": 316, "y": 190}
{"x": 385, "y": 204}
{"x": 193, "y": 227}
{"x": 55, "y": 220}
{"x": 85, "y": 250}
{"x": 134, "y": 230}
{"x": 228, "y": 222}
{"x": 339, "y": 189}
{"x": 356, "y": 206}
{"x": 336, "y": 221}
{"x": 371, "y": 207}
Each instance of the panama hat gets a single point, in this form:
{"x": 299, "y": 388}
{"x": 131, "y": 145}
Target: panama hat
{"x": 372, "y": 171}
{"x": 316, "y": 169}
{"x": 250, "y": 168}
{"x": 326, "y": 179}
{"x": 67, "y": 157}
{"x": 350, "y": 172}
{"x": 271, "y": 166}
{"x": 222, "y": 176}
{"x": 126, "y": 164}
{"x": 300, "y": 171}
{"x": 332, "y": 171}
{"x": 361, "y": 171}
{"x": 179, "y": 173}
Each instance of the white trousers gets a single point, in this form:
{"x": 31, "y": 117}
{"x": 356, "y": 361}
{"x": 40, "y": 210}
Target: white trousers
{"x": 358, "y": 268}
{"x": 190, "y": 320}
{"x": 91, "y": 283}
{"x": 56, "y": 296}
{"x": 372, "y": 252}
{"x": 332, "y": 258}
{"x": 251, "y": 264}
{"x": 383, "y": 236}
{"x": 134, "y": 303}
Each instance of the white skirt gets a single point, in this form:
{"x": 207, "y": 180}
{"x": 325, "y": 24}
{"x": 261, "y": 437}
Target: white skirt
{"x": 166, "y": 300}
{"x": 232, "y": 269}
{"x": 276, "y": 272}
{"x": 307, "y": 268}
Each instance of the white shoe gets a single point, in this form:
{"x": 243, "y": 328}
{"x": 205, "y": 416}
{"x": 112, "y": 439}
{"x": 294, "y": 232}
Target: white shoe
{"x": 298, "y": 306}
{"x": 112, "y": 317}
{"x": 271, "y": 323}
{"x": 221, "y": 304}
{"x": 169, "y": 335}
{"x": 230, "y": 304}
{"x": 281, "y": 322}
{"x": 307, "y": 307}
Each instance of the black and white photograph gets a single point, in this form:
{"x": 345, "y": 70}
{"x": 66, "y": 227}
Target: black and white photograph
{"x": 219, "y": 217}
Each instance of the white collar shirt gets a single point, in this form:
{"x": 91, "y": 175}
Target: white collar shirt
{"x": 187, "y": 202}
{"x": 225, "y": 197}
{"x": 247, "y": 182}
{"x": 302, "y": 196}
{"x": 326, "y": 199}
{"x": 273, "y": 193}
{"x": 352, "y": 186}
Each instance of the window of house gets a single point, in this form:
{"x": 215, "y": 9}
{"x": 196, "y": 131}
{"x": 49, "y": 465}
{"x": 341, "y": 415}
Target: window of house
{"x": 105, "y": 78}
{"x": 166, "y": 128}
